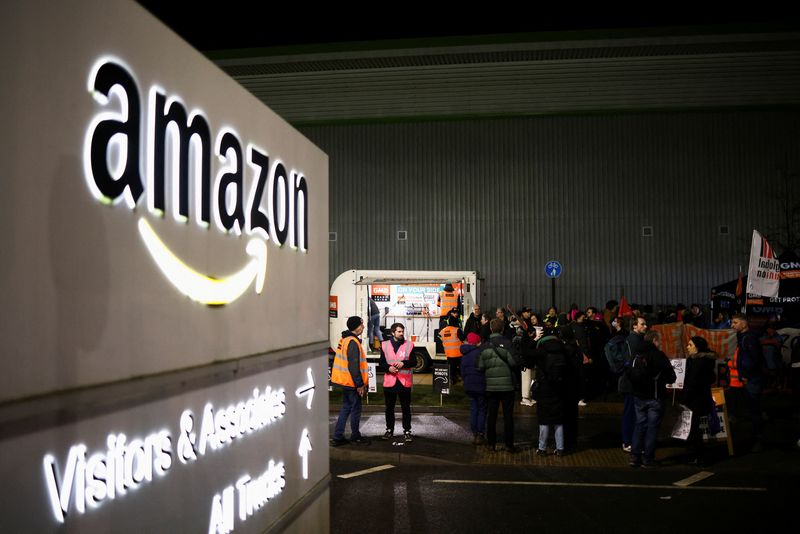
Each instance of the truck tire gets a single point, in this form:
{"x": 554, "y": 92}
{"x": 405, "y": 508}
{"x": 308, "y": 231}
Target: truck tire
{"x": 423, "y": 360}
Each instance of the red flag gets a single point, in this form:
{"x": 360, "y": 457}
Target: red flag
{"x": 624, "y": 308}
{"x": 739, "y": 285}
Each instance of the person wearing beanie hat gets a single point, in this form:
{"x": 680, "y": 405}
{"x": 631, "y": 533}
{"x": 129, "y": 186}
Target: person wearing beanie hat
{"x": 353, "y": 322}
{"x": 474, "y": 387}
{"x": 452, "y": 337}
{"x": 350, "y": 371}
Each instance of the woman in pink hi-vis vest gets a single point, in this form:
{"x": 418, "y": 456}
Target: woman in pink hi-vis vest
{"x": 397, "y": 361}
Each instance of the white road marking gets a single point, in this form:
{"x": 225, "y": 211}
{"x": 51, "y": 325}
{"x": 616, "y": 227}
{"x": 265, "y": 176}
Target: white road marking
{"x": 367, "y": 471}
{"x": 402, "y": 522}
{"x": 702, "y": 475}
{"x": 590, "y": 485}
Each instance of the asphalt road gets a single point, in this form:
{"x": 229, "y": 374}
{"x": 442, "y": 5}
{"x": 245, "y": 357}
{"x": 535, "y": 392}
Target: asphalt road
{"x": 501, "y": 498}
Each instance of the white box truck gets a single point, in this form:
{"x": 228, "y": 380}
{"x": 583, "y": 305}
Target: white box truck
{"x": 408, "y": 297}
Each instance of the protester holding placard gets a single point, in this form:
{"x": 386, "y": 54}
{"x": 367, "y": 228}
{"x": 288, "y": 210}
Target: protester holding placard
{"x": 700, "y": 363}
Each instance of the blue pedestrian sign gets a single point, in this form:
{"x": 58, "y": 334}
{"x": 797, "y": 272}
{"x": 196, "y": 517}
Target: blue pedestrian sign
{"x": 552, "y": 269}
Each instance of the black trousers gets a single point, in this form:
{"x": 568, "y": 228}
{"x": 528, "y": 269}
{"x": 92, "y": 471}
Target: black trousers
{"x": 695, "y": 440}
{"x": 405, "y": 405}
{"x": 455, "y": 369}
{"x": 495, "y": 399}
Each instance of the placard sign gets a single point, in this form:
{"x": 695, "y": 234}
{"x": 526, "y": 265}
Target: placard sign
{"x": 683, "y": 425}
{"x": 441, "y": 378}
{"x": 373, "y": 377}
{"x": 679, "y": 365}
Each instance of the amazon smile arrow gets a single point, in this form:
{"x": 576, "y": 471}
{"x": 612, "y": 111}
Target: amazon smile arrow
{"x": 199, "y": 287}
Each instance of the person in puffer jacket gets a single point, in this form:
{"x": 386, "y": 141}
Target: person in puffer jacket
{"x": 474, "y": 387}
{"x": 499, "y": 362}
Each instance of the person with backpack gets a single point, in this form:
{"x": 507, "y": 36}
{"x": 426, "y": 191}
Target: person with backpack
{"x": 499, "y": 363}
{"x": 649, "y": 373}
{"x": 552, "y": 375}
{"x": 633, "y": 343}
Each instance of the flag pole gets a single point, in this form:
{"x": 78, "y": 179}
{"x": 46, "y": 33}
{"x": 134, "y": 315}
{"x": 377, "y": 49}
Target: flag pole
{"x": 742, "y": 298}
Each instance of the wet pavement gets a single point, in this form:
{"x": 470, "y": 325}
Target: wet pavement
{"x": 441, "y": 482}
{"x": 442, "y": 436}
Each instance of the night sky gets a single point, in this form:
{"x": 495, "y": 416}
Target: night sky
{"x": 234, "y": 24}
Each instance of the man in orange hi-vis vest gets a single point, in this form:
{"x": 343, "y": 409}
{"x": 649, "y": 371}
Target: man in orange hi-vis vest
{"x": 448, "y": 299}
{"x": 452, "y": 337}
{"x": 350, "y": 371}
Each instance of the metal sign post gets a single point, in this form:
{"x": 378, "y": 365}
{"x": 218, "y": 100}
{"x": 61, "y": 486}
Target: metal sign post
{"x": 552, "y": 270}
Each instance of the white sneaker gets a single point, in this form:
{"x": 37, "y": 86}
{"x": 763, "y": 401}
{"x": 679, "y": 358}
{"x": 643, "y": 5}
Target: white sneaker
{"x": 527, "y": 402}
{"x": 581, "y": 403}
{"x": 626, "y": 448}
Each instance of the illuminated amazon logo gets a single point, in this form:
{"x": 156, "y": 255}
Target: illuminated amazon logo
{"x": 178, "y": 145}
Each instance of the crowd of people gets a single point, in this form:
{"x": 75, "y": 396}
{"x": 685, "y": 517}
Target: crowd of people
{"x": 559, "y": 362}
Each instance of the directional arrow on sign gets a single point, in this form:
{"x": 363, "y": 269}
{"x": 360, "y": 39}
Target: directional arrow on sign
{"x": 305, "y": 447}
{"x": 308, "y": 389}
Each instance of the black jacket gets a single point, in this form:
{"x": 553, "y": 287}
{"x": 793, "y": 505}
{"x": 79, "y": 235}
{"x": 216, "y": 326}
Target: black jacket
{"x": 751, "y": 356}
{"x": 473, "y": 324}
{"x": 554, "y": 374}
{"x": 698, "y": 381}
{"x": 659, "y": 368}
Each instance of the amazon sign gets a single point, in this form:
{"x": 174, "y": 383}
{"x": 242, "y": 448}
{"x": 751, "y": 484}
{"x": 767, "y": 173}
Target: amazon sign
{"x": 165, "y": 272}
{"x": 175, "y": 142}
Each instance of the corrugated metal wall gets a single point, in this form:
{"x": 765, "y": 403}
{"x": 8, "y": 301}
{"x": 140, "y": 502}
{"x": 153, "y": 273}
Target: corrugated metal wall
{"x": 504, "y": 196}
{"x": 532, "y": 87}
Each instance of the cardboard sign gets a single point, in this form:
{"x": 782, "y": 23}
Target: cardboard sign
{"x": 682, "y": 425}
{"x": 679, "y": 365}
{"x": 723, "y": 424}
